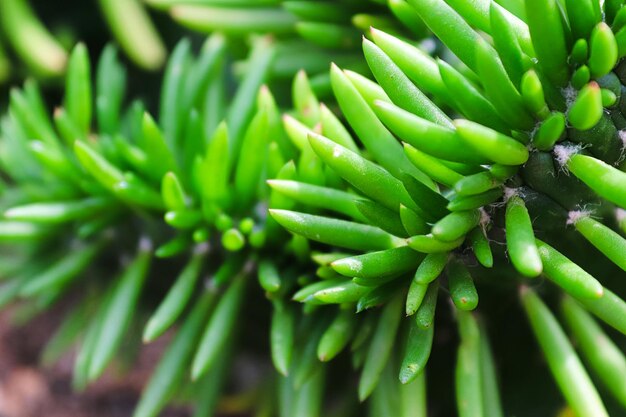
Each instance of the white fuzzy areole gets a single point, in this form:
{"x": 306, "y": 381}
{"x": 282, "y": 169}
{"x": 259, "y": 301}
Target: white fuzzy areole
{"x": 485, "y": 218}
{"x": 620, "y": 214}
{"x": 621, "y": 134}
{"x": 570, "y": 94}
{"x": 145, "y": 244}
{"x": 622, "y": 137}
{"x": 575, "y": 215}
{"x": 510, "y": 193}
{"x": 563, "y": 153}
{"x": 201, "y": 249}
{"x": 210, "y": 284}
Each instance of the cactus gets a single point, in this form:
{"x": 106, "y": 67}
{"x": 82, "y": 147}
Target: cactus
{"x": 486, "y": 175}
{"x": 526, "y": 148}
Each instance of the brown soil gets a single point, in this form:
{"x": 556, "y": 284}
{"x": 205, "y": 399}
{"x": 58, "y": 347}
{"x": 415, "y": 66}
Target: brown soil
{"x": 29, "y": 390}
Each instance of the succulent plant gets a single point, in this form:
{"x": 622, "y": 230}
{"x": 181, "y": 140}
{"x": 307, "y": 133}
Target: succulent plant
{"x": 87, "y": 197}
{"x": 535, "y": 151}
{"x": 509, "y": 175}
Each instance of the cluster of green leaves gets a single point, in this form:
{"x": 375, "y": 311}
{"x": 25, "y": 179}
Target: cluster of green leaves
{"x": 329, "y": 31}
{"x": 536, "y": 148}
{"x": 45, "y": 54}
{"x": 380, "y": 229}
{"x": 329, "y": 24}
{"x": 103, "y": 187}
{"x": 82, "y": 194}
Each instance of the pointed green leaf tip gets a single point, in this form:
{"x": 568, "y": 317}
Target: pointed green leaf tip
{"x": 549, "y": 132}
{"x": 215, "y": 167}
{"x": 418, "y": 347}
{"x": 415, "y": 297}
{"x": 78, "y": 96}
{"x": 336, "y": 336}
{"x": 496, "y": 146}
{"x": 481, "y": 248}
{"x": 160, "y": 157}
{"x": 532, "y": 94}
